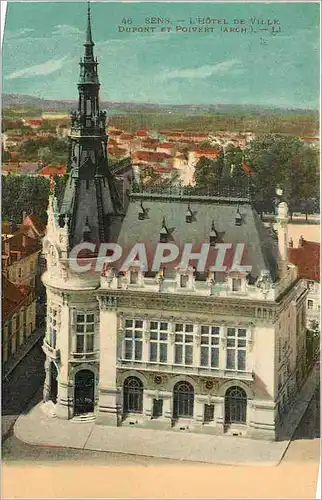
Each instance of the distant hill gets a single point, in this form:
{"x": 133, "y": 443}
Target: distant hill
{"x": 27, "y": 101}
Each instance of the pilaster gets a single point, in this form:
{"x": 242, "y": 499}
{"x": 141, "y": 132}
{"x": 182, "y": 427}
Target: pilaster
{"x": 109, "y": 396}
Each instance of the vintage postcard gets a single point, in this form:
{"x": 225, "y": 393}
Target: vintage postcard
{"x": 161, "y": 249}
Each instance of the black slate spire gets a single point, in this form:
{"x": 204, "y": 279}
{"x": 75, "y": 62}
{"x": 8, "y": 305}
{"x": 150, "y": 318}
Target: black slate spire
{"x": 90, "y": 193}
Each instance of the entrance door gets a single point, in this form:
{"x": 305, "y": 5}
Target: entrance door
{"x": 183, "y": 400}
{"x": 84, "y": 392}
{"x": 235, "y": 406}
{"x": 53, "y": 383}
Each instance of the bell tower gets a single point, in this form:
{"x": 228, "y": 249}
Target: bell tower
{"x": 91, "y": 202}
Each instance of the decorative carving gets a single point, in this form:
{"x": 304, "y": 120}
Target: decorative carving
{"x": 158, "y": 379}
{"x": 108, "y": 302}
{"x": 65, "y": 297}
{"x": 180, "y": 303}
{"x": 209, "y": 384}
{"x": 264, "y": 282}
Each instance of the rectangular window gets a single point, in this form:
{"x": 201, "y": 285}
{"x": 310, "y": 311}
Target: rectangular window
{"x": 183, "y": 344}
{"x": 85, "y": 332}
{"x": 236, "y": 284}
{"x": 236, "y": 349}
{"x": 209, "y": 346}
{"x": 209, "y": 413}
{"x": 157, "y": 408}
{"x": 158, "y": 341}
{"x": 133, "y": 340}
{"x": 52, "y": 327}
{"x": 310, "y": 304}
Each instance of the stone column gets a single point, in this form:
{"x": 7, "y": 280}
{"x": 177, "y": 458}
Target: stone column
{"x": 46, "y": 389}
{"x": 109, "y": 410}
{"x": 171, "y": 346}
{"x": 198, "y": 410}
{"x": 167, "y": 406}
{"x": 196, "y": 347}
{"x": 282, "y": 236}
{"x": 64, "y": 406}
{"x": 145, "y": 341}
{"x": 219, "y": 403}
{"x": 222, "y": 348}
{"x": 147, "y": 404}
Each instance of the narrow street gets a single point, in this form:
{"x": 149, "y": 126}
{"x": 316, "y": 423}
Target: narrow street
{"x": 23, "y": 383}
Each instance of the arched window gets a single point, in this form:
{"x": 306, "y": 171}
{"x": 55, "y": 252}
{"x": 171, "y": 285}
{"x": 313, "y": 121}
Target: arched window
{"x": 235, "y": 405}
{"x": 132, "y": 395}
{"x": 183, "y": 399}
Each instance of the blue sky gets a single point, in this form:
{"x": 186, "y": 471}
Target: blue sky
{"x": 43, "y": 43}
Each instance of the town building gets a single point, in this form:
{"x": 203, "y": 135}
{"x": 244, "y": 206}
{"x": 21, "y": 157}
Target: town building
{"x": 33, "y": 123}
{"x": 18, "y": 316}
{"x": 20, "y": 255}
{"x": 54, "y": 115}
{"x": 21, "y": 247}
{"x": 184, "y": 349}
{"x": 52, "y": 170}
{"x": 307, "y": 259}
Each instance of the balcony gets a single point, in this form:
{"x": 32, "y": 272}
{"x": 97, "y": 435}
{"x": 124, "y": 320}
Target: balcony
{"x": 76, "y": 357}
{"x": 51, "y": 352}
{"x": 185, "y": 369}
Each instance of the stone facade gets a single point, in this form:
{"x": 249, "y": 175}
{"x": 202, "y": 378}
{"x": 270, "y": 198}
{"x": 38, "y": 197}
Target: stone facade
{"x": 269, "y": 372}
{"x": 220, "y": 353}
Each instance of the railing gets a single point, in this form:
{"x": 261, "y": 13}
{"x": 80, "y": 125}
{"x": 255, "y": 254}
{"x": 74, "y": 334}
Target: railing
{"x": 84, "y": 356}
{"x": 221, "y": 191}
{"x": 185, "y": 369}
{"x": 52, "y": 352}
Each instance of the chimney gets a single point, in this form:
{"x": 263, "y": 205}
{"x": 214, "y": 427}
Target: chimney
{"x": 282, "y": 221}
{"x": 24, "y": 215}
{"x": 24, "y": 241}
{"x": 301, "y": 241}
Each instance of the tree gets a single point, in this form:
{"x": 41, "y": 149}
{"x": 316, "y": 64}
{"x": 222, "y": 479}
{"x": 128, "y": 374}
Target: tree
{"x": 24, "y": 193}
{"x": 54, "y": 149}
{"x": 233, "y": 157}
{"x": 283, "y": 161}
{"x": 207, "y": 173}
{"x": 6, "y": 156}
{"x": 44, "y": 154}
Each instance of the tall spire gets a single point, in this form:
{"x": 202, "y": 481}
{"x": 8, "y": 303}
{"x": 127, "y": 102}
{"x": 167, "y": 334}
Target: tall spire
{"x": 91, "y": 200}
{"x": 89, "y": 44}
{"x": 89, "y": 39}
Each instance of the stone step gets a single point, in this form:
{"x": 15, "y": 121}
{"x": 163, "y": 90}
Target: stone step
{"x": 84, "y": 418}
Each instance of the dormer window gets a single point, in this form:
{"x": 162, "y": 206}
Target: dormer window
{"x": 184, "y": 281}
{"x": 134, "y": 276}
{"x": 238, "y": 218}
{"x": 189, "y": 215}
{"x": 213, "y": 236}
{"x": 141, "y": 212}
{"x": 236, "y": 284}
{"x": 164, "y": 232}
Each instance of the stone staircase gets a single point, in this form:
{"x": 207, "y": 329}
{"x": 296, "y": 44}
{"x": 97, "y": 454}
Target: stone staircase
{"x": 84, "y": 418}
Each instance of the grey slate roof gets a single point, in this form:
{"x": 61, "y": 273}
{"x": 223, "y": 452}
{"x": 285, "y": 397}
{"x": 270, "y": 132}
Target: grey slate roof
{"x": 260, "y": 247}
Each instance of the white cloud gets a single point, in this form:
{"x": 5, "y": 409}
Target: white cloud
{"x": 46, "y": 68}
{"x": 201, "y": 72}
{"x": 65, "y": 30}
